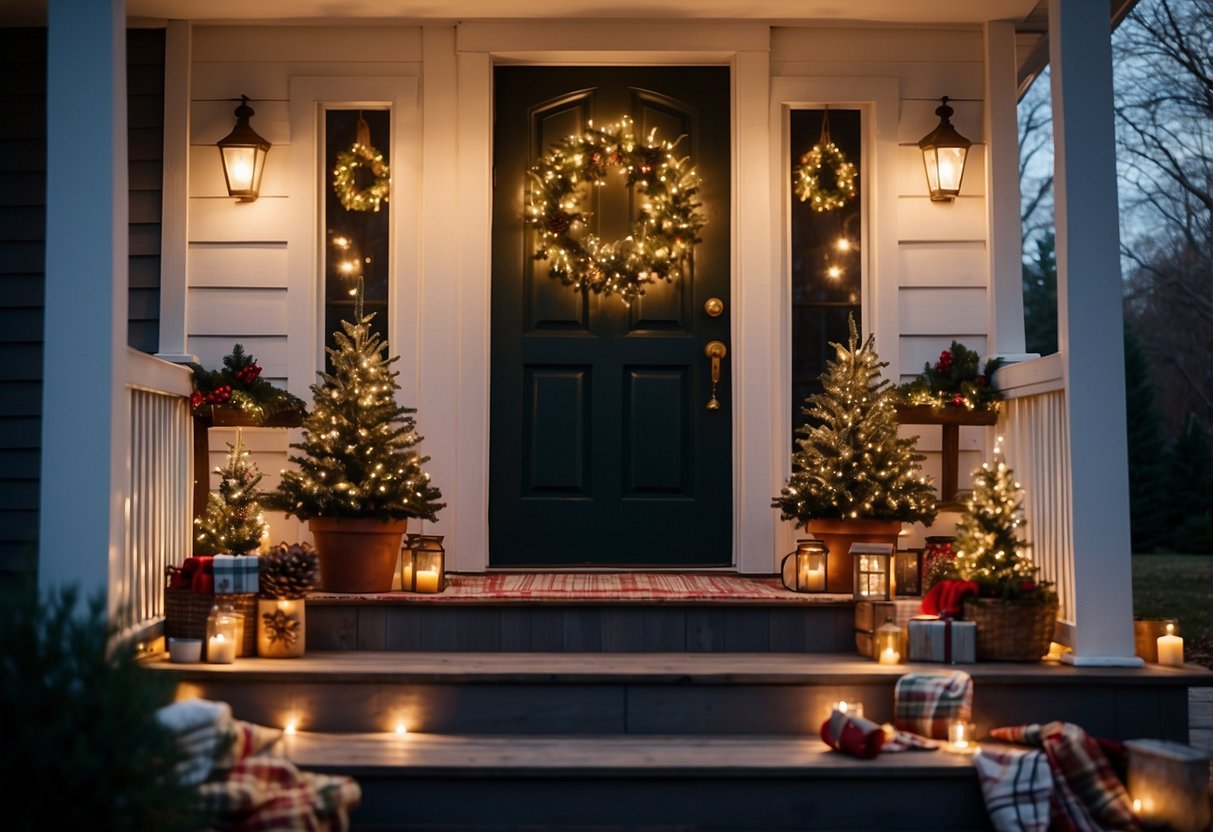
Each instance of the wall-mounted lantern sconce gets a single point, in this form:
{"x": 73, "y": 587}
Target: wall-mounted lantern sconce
{"x": 943, "y": 153}
{"x": 243, "y": 153}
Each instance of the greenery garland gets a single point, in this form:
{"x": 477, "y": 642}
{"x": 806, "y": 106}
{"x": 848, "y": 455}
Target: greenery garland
{"x": 957, "y": 379}
{"x": 361, "y": 155}
{"x": 662, "y": 238}
{"x": 816, "y": 189}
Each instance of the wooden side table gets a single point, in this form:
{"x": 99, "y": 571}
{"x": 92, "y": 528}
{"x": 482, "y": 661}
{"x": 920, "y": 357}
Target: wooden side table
{"x": 950, "y": 419}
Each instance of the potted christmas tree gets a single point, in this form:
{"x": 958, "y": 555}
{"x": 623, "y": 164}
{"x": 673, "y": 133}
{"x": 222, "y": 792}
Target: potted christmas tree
{"x": 360, "y": 476}
{"x": 233, "y": 522}
{"x": 1014, "y": 611}
{"x": 853, "y": 478}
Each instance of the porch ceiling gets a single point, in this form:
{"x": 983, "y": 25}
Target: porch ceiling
{"x": 774, "y": 11}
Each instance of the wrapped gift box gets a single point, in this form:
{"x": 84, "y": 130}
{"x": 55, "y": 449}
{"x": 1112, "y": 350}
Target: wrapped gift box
{"x": 235, "y": 574}
{"x": 871, "y": 614}
{"x": 942, "y": 640}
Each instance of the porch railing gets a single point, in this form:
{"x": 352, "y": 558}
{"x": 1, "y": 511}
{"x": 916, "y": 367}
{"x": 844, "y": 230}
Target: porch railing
{"x": 1036, "y": 445}
{"x": 158, "y": 498}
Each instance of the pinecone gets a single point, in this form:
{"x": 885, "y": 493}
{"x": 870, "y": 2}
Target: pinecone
{"x": 558, "y": 222}
{"x": 288, "y": 571}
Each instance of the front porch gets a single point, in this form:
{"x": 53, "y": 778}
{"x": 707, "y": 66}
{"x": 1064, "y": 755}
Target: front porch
{"x": 607, "y": 713}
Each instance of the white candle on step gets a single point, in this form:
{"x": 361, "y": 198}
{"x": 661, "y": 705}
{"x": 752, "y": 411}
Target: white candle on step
{"x": 1170, "y": 648}
{"x": 220, "y": 649}
{"x": 889, "y": 656}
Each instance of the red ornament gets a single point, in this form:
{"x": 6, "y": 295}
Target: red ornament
{"x": 196, "y": 399}
{"x": 945, "y": 361}
{"x": 248, "y": 373}
{"x": 958, "y": 400}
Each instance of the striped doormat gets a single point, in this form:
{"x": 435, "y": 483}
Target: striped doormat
{"x": 601, "y": 587}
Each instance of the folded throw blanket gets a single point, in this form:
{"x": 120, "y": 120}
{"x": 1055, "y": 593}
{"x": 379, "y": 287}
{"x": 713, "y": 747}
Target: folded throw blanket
{"x": 1088, "y": 796}
{"x": 924, "y": 703}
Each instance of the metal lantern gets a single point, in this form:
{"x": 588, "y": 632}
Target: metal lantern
{"x": 943, "y": 155}
{"x": 423, "y": 564}
{"x": 889, "y": 643}
{"x": 243, "y": 153}
{"x": 804, "y": 570}
{"x": 873, "y": 565}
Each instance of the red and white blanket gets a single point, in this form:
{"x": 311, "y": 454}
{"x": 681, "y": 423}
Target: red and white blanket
{"x": 243, "y": 785}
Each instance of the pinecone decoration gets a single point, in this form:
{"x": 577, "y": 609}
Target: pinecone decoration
{"x": 558, "y": 222}
{"x": 288, "y": 571}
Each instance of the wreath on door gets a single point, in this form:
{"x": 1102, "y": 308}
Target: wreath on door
{"x": 666, "y": 229}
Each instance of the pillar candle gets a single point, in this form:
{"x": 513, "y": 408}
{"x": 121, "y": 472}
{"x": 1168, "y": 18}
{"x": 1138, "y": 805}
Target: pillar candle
{"x": 220, "y": 649}
{"x": 427, "y": 581}
{"x": 1170, "y": 648}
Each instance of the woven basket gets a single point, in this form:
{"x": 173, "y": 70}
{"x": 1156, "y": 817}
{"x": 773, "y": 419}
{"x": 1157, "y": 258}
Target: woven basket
{"x": 1011, "y": 631}
{"x": 185, "y": 614}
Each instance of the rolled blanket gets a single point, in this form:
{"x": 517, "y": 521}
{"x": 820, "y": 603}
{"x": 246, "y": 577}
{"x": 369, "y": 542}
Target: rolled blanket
{"x": 267, "y": 792}
{"x": 211, "y": 738}
{"x": 924, "y": 703}
{"x": 852, "y": 735}
{"x": 1087, "y": 796}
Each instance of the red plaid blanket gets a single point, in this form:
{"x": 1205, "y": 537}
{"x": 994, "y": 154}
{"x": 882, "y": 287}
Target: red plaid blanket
{"x": 924, "y": 703}
{"x": 1088, "y": 796}
{"x": 264, "y": 792}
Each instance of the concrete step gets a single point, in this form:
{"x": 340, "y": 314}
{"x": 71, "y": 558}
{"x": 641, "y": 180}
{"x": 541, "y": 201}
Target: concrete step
{"x": 717, "y": 694}
{"x": 683, "y": 782}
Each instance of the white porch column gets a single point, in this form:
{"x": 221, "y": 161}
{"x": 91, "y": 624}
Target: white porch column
{"x": 1090, "y": 329}
{"x": 1005, "y": 295}
{"x": 174, "y": 220}
{"x": 84, "y": 404}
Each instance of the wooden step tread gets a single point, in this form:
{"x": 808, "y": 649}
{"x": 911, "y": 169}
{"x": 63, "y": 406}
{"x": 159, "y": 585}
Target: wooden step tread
{"x": 655, "y": 668}
{"x": 606, "y": 756}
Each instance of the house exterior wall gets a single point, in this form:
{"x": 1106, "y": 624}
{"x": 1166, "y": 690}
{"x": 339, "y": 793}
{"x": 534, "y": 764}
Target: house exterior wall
{"x": 247, "y": 277}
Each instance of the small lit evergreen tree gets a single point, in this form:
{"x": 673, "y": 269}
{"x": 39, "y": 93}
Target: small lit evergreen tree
{"x": 851, "y": 463}
{"x": 233, "y": 522}
{"x": 360, "y": 457}
{"x": 989, "y": 550}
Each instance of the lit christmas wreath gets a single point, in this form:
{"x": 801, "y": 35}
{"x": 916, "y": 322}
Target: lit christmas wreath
{"x": 361, "y": 156}
{"x": 661, "y": 239}
{"x": 822, "y": 196}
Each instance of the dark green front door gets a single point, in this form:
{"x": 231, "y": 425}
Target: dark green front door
{"x": 602, "y": 449}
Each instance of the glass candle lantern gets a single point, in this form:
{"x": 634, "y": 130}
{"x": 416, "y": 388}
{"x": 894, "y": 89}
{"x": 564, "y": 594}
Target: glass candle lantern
{"x": 281, "y": 627}
{"x": 889, "y": 643}
{"x": 423, "y": 564}
{"x": 873, "y": 571}
{"x": 804, "y": 570}
{"x": 220, "y": 637}
{"x": 961, "y": 737}
{"x": 228, "y": 609}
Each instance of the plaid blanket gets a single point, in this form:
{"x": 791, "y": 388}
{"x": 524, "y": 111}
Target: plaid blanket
{"x": 1017, "y": 786}
{"x": 924, "y": 703}
{"x": 242, "y": 784}
{"x": 265, "y": 792}
{"x": 1088, "y": 796}
{"x": 235, "y": 574}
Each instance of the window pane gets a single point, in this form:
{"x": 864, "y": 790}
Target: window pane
{"x": 826, "y": 245}
{"x": 357, "y": 239}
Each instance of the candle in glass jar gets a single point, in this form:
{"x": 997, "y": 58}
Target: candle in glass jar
{"x": 427, "y": 581}
{"x": 406, "y": 578}
{"x": 220, "y": 649}
{"x": 889, "y": 656}
{"x": 1170, "y": 648}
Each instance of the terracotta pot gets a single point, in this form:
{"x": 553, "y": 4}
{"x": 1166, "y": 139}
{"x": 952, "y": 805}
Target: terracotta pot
{"x": 281, "y": 627}
{"x": 357, "y": 555}
{"x": 838, "y": 535}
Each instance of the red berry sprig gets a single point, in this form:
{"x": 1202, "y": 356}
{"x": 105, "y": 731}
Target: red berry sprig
{"x": 248, "y": 373}
{"x": 945, "y": 361}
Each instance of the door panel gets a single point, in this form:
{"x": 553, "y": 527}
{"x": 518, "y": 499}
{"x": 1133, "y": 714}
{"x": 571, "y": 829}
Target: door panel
{"x": 602, "y": 451}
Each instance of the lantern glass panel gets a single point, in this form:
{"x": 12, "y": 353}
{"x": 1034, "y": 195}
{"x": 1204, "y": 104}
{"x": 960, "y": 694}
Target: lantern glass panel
{"x": 889, "y": 643}
{"x": 429, "y": 564}
{"x": 871, "y": 575}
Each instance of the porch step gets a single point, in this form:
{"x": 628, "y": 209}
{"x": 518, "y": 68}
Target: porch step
{"x": 682, "y": 782}
{"x": 357, "y": 623}
{"x": 686, "y": 694}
